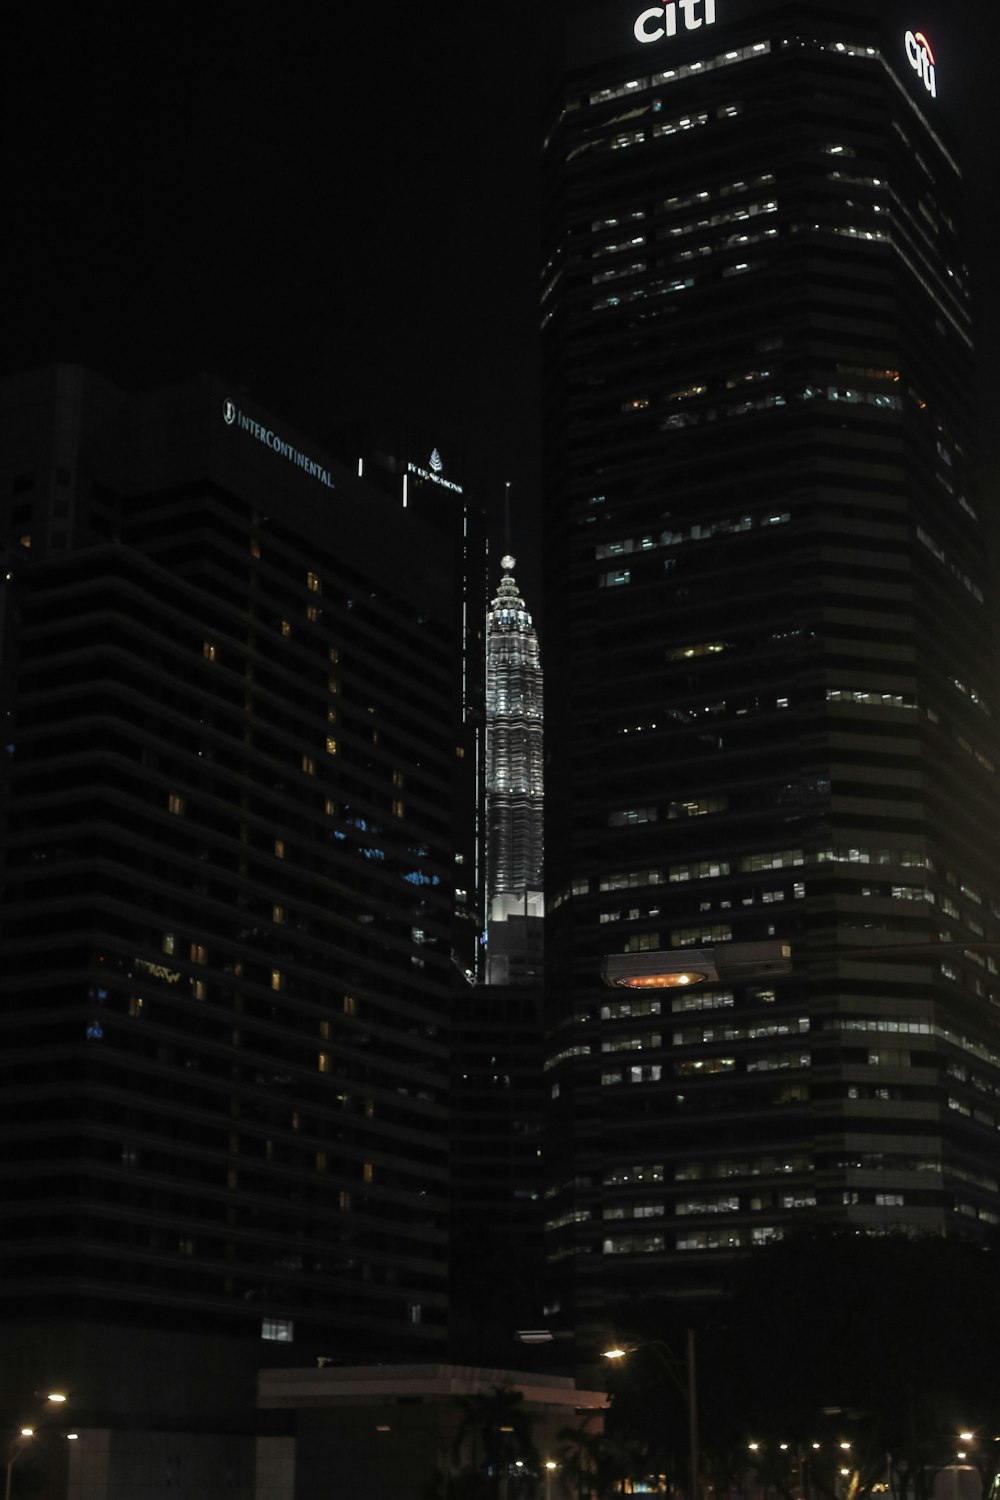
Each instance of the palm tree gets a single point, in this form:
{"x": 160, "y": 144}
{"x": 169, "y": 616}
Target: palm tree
{"x": 494, "y": 1436}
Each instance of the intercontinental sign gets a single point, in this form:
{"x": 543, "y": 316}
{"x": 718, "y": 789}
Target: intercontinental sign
{"x": 233, "y": 417}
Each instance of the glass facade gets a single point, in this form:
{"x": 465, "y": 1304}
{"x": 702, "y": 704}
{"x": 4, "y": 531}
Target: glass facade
{"x": 770, "y": 651}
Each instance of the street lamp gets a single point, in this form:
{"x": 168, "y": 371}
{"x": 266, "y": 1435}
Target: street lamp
{"x": 23, "y": 1438}
{"x": 688, "y": 1390}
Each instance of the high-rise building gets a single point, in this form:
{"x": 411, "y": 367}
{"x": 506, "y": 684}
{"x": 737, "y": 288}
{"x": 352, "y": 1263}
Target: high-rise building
{"x": 769, "y": 646}
{"x": 514, "y": 789}
{"x": 432, "y": 480}
{"x": 227, "y": 877}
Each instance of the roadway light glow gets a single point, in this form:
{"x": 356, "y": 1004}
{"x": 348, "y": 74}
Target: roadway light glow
{"x": 27, "y": 1432}
{"x": 613, "y": 1353}
{"x": 56, "y": 1396}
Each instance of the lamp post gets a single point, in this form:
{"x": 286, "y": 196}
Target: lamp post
{"x": 688, "y": 1389}
{"x": 23, "y": 1438}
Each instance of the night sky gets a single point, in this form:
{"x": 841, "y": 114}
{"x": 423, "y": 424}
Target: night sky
{"x": 338, "y": 214}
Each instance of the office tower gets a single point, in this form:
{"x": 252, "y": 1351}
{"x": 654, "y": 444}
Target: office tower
{"x": 514, "y": 789}
{"x": 431, "y": 480}
{"x": 769, "y": 648}
{"x": 228, "y": 677}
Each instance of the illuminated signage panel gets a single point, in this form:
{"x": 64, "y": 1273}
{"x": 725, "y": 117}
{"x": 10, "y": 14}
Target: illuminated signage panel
{"x": 233, "y": 417}
{"x": 921, "y": 59}
{"x": 661, "y": 20}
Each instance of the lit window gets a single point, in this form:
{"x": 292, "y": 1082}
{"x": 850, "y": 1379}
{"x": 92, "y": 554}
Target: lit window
{"x": 323, "y": 1062}
{"x": 321, "y": 1161}
{"x": 254, "y": 547}
{"x": 308, "y": 765}
{"x": 398, "y": 809}
{"x": 281, "y": 1330}
{"x": 175, "y": 804}
{"x": 277, "y": 914}
{"x": 331, "y": 744}
{"x": 313, "y": 614}
{"x": 169, "y": 942}
{"x": 277, "y": 979}
{"x": 344, "y": 1199}
{"x": 199, "y": 953}
{"x": 279, "y": 848}
{"x": 286, "y": 627}
{"x": 397, "y": 778}
{"x": 208, "y": 651}
{"x": 368, "y": 1172}
{"x": 135, "y": 1005}
{"x": 350, "y": 1005}
{"x": 313, "y": 583}
{"x": 199, "y": 989}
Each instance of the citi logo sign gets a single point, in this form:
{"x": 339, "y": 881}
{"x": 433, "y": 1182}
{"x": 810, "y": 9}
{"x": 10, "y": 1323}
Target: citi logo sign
{"x": 661, "y": 20}
{"x": 918, "y": 50}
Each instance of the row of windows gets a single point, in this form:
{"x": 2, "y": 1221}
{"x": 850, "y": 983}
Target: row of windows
{"x": 770, "y": 401}
{"x": 698, "y": 531}
{"x": 685, "y": 70}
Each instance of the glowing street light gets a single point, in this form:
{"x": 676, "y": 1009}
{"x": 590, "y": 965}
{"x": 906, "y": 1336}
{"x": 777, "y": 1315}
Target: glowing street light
{"x": 23, "y": 1438}
{"x": 688, "y": 1391}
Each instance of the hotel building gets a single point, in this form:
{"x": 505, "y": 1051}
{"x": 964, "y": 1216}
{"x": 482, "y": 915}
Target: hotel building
{"x": 228, "y": 674}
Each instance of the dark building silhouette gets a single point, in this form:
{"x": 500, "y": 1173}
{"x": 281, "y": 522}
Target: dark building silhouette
{"x": 228, "y": 677}
{"x": 431, "y": 480}
{"x": 769, "y": 648}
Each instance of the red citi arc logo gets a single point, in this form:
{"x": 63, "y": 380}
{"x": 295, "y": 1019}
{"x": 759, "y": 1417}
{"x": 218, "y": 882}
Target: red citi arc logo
{"x": 918, "y": 50}
{"x": 661, "y": 20}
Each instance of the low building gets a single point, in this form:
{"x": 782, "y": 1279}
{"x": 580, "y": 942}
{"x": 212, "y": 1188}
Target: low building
{"x": 386, "y": 1430}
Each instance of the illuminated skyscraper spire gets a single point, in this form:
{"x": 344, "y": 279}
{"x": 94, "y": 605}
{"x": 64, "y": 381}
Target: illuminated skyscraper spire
{"x": 514, "y": 788}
